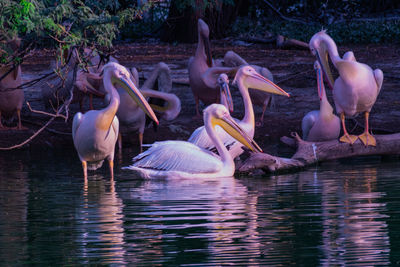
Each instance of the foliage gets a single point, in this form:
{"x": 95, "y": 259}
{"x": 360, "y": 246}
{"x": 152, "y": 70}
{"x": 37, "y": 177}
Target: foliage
{"x": 344, "y": 20}
{"x": 64, "y": 24}
{"x": 346, "y": 32}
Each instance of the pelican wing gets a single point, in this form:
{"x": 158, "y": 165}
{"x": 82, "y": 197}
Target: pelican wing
{"x": 308, "y": 122}
{"x": 178, "y": 156}
{"x": 200, "y": 138}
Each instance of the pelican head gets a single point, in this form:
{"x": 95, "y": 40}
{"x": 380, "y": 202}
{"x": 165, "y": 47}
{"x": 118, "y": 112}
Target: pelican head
{"x": 251, "y": 79}
{"x": 218, "y": 114}
{"x": 320, "y": 45}
{"x": 223, "y": 84}
{"x": 204, "y": 34}
{"x": 121, "y": 76}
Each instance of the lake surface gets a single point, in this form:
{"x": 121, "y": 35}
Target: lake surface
{"x": 335, "y": 214}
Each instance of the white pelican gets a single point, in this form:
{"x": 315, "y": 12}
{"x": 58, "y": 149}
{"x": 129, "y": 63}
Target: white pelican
{"x": 225, "y": 92}
{"x": 202, "y": 74}
{"x": 259, "y": 98}
{"x": 245, "y": 77}
{"x": 11, "y": 99}
{"x": 321, "y": 125}
{"x": 355, "y": 90}
{"x": 132, "y": 116}
{"x": 95, "y": 132}
{"x": 180, "y": 159}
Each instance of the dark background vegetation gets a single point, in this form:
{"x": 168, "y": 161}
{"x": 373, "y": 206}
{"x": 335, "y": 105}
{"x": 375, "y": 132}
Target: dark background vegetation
{"x": 62, "y": 24}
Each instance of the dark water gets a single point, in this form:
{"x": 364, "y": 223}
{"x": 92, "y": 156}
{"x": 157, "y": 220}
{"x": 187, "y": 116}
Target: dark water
{"x": 336, "y": 214}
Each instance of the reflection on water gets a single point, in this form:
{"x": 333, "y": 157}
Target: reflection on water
{"x": 334, "y": 214}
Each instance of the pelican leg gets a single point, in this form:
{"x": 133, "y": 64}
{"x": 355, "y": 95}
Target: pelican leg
{"x": 366, "y": 137}
{"x": 141, "y": 142}
{"x": 111, "y": 166}
{"x": 196, "y": 98}
{"x": 84, "y": 167}
{"x": 81, "y": 105}
{"x": 346, "y": 138}
{"x": 91, "y": 101}
{"x": 20, "y": 127}
{"x": 2, "y": 127}
{"x": 261, "y": 121}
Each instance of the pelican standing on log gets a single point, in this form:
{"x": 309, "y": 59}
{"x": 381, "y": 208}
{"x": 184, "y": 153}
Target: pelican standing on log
{"x": 11, "y": 97}
{"x": 355, "y": 90}
{"x": 202, "y": 74}
{"x": 95, "y": 133}
{"x": 320, "y": 125}
{"x": 245, "y": 78}
{"x": 180, "y": 159}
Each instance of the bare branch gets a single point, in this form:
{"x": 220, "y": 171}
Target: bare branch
{"x": 45, "y": 113}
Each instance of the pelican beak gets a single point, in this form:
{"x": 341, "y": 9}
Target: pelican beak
{"x": 136, "y": 95}
{"x": 207, "y": 49}
{"x": 320, "y": 81}
{"x": 233, "y": 129}
{"x": 267, "y": 85}
{"x": 226, "y": 93}
{"x": 322, "y": 57}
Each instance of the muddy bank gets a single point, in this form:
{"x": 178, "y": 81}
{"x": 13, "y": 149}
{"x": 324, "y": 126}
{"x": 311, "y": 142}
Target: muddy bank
{"x": 292, "y": 69}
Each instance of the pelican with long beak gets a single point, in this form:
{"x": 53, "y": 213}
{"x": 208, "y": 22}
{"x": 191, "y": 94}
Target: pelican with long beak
{"x": 321, "y": 125}
{"x": 259, "y": 98}
{"x": 180, "y": 159}
{"x": 245, "y": 78}
{"x": 95, "y": 133}
{"x": 225, "y": 92}
{"x": 132, "y": 116}
{"x": 202, "y": 74}
{"x": 356, "y": 88}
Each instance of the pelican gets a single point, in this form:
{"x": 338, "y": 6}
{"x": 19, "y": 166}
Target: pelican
{"x": 245, "y": 77}
{"x": 132, "y": 116}
{"x": 202, "y": 74}
{"x": 95, "y": 132}
{"x": 355, "y": 90}
{"x": 259, "y": 98}
{"x": 321, "y": 125}
{"x": 180, "y": 159}
{"x": 11, "y": 99}
{"x": 225, "y": 93}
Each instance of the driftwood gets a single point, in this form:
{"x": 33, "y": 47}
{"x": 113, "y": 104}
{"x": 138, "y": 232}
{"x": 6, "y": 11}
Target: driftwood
{"x": 312, "y": 152}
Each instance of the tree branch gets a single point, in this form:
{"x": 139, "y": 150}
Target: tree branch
{"x": 312, "y": 152}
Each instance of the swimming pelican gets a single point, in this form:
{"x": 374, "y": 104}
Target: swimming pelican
{"x": 245, "y": 77}
{"x": 11, "y": 99}
{"x": 202, "y": 74}
{"x": 95, "y": 132}
{"x": 259, "y": 98}
{"x": 355, "y": 90}
{"x": 180, "y": 159}
{"x": 321, "y": 125}
{"x": 132, "y": 116}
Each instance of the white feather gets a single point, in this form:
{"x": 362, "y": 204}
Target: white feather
{"x": 178, "y": 156}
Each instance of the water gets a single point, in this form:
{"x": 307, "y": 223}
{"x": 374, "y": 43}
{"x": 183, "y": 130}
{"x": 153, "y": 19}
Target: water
{"x": 336, "y": 214}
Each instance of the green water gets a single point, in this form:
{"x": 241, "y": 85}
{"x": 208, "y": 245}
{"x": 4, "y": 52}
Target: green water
{"x": 336, "y": 214}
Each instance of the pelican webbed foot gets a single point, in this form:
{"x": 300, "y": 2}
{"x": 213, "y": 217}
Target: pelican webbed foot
{"x": 367, "y": 139}
{"x": 347, "y": 138}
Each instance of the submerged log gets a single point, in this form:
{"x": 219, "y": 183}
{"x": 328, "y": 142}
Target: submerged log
{"x": 312, "y": 152}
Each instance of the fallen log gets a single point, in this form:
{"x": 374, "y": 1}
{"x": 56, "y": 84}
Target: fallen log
{"x": 309, "y": 153}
